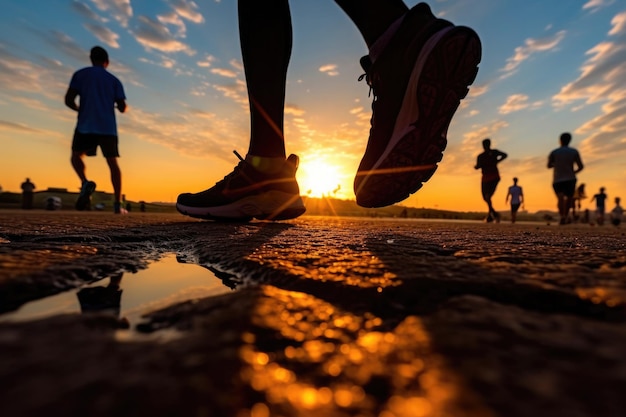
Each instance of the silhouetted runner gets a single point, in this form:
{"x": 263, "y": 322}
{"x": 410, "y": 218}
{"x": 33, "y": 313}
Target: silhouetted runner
{"x": 100, "y": 93}
{"x": 516, "y": 194}
{"x": 566, "y": 163}
{"x": 600, "y": 199}
{"x": 488, "y": 162}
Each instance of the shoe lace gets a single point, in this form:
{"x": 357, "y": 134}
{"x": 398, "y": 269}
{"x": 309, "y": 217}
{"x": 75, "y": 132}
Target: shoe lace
{"x": 366, "y": 64}
{"x": 239, "y": 167}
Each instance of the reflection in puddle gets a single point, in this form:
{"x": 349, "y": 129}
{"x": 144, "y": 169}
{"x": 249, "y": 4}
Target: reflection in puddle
{"x": 129, "y": 295}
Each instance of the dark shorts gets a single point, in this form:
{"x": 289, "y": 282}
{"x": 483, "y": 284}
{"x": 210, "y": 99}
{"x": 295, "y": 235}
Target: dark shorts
{"x": 566, "y": 188}
{"x": 489, "y": 188}
{"x": 515, "y": 207}
{"x": 88, "y": 143}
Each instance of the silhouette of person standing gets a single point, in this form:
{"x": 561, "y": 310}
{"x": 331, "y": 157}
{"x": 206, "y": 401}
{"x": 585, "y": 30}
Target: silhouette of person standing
{"x": 566, "y": 163}
{"x": 100, "y": 92}
{"x": 516, "y": 194}
{"x": 28, "y": 189}
{"x": 488, "y": 162}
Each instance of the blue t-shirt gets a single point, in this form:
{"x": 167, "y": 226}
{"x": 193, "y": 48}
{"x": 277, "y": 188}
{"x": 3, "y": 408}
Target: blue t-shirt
{"x": 98, "y": 90}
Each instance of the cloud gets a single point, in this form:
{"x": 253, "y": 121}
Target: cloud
{"x": 293, "y": 110}
{"x": 103, "y": 34}
{"x": 224, "y": 72}
{"x": 236, "y": 64}
{"x": 23, "y": 76}
{"x": 155, "y": 35}
{"x": 595, "y": 5}
{"x": 32, "y": 103}
{"x": 86, "y": 11}
{"x": 606, "y": 132}
{"x": 200, "y": 89}
{"x": 188, "y": 10}
{"x": 473, "y": 138}
{"x": 517, "y": 102}
{"x": 164, "y": 62}
{"x": 619, "y": 25}
{"x": 174, "y": 19}
{"x": 206, "y": 62}
{"x": 530, "y": 47}
{"x": 237, "y": 92}
{"x": 529, "y": 165}
{"x": 602, "y": 80}
{"x": 121, "y": 10}
{"x": 67, "y": 45}
{"x": 330, "y": 69}
{"x": 461, "y": 158}
{"x": 474, "y": 92}
{"x": 477, "y": 91}
{"x": 49, "y": 77}
{"x": 603, "y": 71}
{"x": 11, "y": 126}
{"x": 194, "y": 133}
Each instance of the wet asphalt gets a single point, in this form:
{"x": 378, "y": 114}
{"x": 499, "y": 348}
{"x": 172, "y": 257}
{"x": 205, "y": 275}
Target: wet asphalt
{"x": 326, "y": 317}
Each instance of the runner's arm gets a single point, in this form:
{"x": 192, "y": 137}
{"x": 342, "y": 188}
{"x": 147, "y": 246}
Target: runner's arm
{"x": 121, "y": 105}
{"x": 70, "y": 98}
{"x": 579, "y": 164}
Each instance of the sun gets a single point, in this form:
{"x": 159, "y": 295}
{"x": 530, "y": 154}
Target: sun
{"x": 318, "y": 178}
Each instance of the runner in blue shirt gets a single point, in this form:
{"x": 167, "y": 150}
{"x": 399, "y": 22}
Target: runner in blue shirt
{"x": 100, "y": 92}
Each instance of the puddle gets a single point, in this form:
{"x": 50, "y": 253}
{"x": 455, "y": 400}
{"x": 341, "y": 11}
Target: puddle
{"x": 129, "y": 295}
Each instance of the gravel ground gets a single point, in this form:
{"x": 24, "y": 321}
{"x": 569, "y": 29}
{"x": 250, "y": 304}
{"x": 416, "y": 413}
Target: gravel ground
{"x": 330, "y": 317}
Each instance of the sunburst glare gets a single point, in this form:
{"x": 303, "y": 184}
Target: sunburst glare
{"x": 318, "y": 178}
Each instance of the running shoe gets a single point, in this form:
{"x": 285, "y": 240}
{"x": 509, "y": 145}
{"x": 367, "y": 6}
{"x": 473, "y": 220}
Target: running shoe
{"x": 84, "y": 198}
{"x": 418, "y": 77}
{"x": 246, "y": 193}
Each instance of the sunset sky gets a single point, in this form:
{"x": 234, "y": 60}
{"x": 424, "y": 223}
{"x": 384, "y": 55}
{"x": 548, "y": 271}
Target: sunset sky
{"x": 548, "y": 66}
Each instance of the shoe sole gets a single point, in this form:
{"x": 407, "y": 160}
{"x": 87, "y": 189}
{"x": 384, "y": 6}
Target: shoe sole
{"x": 84, "y": 200}
{"x": 443, "y": 71}
{"x": 271, "y": 205}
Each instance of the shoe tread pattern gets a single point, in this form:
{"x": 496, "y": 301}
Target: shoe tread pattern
{"x": 449, "y": 70}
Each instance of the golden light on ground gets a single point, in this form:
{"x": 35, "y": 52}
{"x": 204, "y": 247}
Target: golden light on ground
{"x": 363, "y": 368}
{"x": 318, "y": 177}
